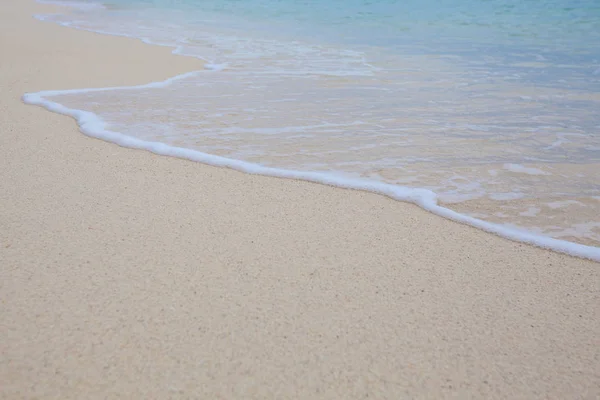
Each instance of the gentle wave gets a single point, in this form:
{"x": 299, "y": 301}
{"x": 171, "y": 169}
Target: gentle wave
{"x": 496, "y": 144}
{"x": 91, "y": 125}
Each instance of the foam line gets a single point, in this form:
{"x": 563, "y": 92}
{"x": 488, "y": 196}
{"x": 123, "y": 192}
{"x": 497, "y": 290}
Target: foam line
{"x": 92, "y": 125}
{"x": 178, "y": 49}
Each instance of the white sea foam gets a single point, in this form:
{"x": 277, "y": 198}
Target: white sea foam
{"x": 591, "y": 229}
{"x": 518, "y": 168}
{"x": 531, "y": 212}
{"x": 93, "y": 126}
{"x": 565, "y": 203}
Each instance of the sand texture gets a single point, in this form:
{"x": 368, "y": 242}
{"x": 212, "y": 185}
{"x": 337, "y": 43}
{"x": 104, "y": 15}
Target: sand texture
{"x": 129, "y": 275}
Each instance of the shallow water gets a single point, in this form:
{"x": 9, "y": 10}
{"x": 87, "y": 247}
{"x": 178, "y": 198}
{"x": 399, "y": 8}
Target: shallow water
{"x": 491, "y": 105}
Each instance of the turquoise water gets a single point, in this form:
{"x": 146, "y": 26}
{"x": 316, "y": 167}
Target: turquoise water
{"x": 569, "y": 28}
{"x": 497, "y": 33}
{"x": 491, "y": 105}
{"x": 559, "y": 21}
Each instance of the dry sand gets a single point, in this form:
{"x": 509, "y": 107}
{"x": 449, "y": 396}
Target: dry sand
{"x": 128, "y": 275}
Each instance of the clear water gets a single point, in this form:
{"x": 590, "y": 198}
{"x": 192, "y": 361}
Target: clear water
{"x": 494, "y": 105}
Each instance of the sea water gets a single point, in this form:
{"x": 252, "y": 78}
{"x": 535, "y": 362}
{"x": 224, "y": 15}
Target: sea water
{"x": 487, "y": 112}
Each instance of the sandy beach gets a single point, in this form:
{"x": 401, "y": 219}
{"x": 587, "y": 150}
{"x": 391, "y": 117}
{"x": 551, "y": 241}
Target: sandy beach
{"x": 124, "y": 274}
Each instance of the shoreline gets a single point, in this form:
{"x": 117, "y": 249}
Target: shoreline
{"x": 128, "y": 274}
{"x": 427, "y": 200}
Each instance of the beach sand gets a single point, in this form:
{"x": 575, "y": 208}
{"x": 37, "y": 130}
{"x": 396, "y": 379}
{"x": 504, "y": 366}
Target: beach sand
{"x": 130, "y": 275}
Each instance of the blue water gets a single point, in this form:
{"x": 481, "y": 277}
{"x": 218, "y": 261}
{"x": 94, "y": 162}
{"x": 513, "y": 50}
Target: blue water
{"x": 491, "y": 105}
